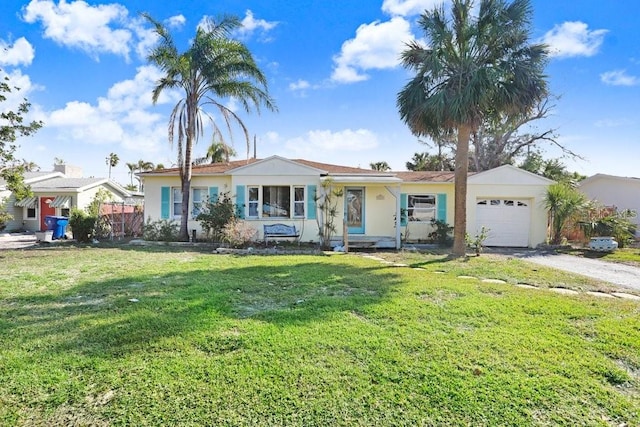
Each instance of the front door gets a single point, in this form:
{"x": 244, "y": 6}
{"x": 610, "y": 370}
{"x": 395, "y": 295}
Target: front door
{"x": 45, "y": 210}
{"x": 354, "y": 208}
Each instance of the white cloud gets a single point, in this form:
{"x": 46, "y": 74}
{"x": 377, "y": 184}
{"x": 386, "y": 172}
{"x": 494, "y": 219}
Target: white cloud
{"x": 21, "y": 52}
{"x": 176, "y": 21}
{"x": 125, "y": 116}
{"x": 325, "y": 145}
{"x": 614, "y": 123}
{"x": 408, "y": 7}
{"x": 16, "y": 97}
{"x": 250, "y": 25}
{"x": 376, "y": 46}
{"x": 619, "y": 78}
{"x": 299, "y": 85}
{"x": 573, "y": 39}
{"x": 92, "y": 29}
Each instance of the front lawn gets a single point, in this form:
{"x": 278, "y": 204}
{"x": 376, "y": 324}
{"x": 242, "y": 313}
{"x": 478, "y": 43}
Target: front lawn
{"x": 124, "y": 336}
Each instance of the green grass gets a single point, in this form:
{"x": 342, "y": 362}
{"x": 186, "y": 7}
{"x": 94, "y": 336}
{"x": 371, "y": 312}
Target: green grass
{"x": 308, "y": 340}
{"x": 629, "y": 256}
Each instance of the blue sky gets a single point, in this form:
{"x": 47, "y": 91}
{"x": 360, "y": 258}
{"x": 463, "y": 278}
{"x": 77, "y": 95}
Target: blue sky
{"x": 332, "y": 67}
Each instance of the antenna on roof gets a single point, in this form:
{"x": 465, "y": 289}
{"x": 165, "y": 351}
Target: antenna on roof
{"x": 254, "y": 146}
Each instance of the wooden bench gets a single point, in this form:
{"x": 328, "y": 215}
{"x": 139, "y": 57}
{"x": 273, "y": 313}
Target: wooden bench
{"x": 280, "y": 230}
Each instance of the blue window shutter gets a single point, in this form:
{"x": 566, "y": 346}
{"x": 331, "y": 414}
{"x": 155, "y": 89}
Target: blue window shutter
{"x": 403, "y": 209}
{"x": 165, "y": 202}
{"x": 213, "y": 194}
{"x": 311, "y": 201}
{"x": 240, "y": 201}
{"x": 441, "y": 206}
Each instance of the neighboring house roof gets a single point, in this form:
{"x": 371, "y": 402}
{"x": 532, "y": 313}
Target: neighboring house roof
{"x": 602, "y": 176}
{"x": 33, "y": 177}
{"x": 426, "y": 176}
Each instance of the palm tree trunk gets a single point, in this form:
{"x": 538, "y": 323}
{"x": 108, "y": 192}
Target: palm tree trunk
{"x": 187, "y": 168}
{"x": 460, "y": 198}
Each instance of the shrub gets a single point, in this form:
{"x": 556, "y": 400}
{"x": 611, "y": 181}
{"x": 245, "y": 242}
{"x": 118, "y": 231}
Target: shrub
{"x": 238, "y": 233}
{"x": 477, "y": 242}
{"x": 615, "y": 224}
{"x": 442, "y": 233}
{"x": 162, "y": 230}
{"x": 5, "y": 216}
{"x": 82, "y": 225}
{"x": 216, "y": 215}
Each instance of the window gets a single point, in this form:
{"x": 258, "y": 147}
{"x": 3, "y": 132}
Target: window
{"x": 276, "y": 201}
{"x": 65, "y": 212}
{"x": 254, "y": 202}
{"x": 176, "y": 198}
{"x": 298, "y": 201}
{"x": 198, "y": 200}
{"x": 31, "y": 213}
{"x": 421, "y": 207}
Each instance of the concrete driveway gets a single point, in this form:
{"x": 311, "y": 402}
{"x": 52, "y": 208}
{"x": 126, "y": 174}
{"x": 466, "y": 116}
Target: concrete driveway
{"x": 618, "y": 274}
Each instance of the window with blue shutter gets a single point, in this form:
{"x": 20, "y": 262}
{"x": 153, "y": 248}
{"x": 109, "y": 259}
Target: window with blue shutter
{"x": 240, "y": 201}
{"x": 403, "y": 209}
{"x": 165, "y": 202}
{"x": 441, "y": 204}
{"x": 311, "y": 202}
{"x": 213, "y": 194}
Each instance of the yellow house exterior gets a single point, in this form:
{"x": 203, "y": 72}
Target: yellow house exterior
{"x": 382, "y": 209}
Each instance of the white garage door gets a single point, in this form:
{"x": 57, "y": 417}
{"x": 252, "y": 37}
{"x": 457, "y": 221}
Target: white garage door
{"x": 508, "y": 221}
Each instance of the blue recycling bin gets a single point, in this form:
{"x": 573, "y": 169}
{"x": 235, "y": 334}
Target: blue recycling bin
{"x": 57, "y": 224}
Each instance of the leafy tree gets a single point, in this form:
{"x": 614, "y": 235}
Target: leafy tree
{"x": 112, "y": 161}
{"x": 549, "y": 168}
{"x": 213, "y": 68}
{"x": 429, "y": 162}
{"x": 473, "y": 68}
{"x": 12, "y": 126}
{"x": 564, "y": 203}
{"x": 217, "y": 152}
{"x": 380, "y": 166}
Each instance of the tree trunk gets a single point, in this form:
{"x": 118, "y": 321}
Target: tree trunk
{"x": 461, "y": 174}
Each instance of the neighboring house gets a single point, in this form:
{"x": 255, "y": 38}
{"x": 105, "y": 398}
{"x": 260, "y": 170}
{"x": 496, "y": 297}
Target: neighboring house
{"x": 382, "y": 208}
{"x": 55, "y": 193}
{"x": 617, "y": 192}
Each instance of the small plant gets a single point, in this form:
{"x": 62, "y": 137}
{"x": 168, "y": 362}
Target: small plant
{"x": 477, "y": 242}
{"x": 238, "y": 233}
{"x": 162, "y": 230}
{"x": 441, "y": 233}
{"x": 327, "y": 202}
{"x": 216, "y": 215}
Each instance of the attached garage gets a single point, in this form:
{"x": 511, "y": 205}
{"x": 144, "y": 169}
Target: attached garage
{"x": 508, "y": 221}
{"x": 510, "y": 203}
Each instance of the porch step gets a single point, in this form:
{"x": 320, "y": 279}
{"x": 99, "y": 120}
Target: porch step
{"x": 366, "y": 242}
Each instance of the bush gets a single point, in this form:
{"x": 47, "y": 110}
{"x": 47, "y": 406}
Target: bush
{"x": 5, "y": 216}
{"x": 162, "y": 230}
{"x": 82, "y": 225}
{"x": 238, "y": 233}
{"x": 216, "y": 215}
{"x": 442, "y": 233}
{"x": 615, "y": 224}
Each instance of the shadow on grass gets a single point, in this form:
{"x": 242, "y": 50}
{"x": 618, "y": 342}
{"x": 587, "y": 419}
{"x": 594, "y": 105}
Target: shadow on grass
{"x": 116, "y": 317}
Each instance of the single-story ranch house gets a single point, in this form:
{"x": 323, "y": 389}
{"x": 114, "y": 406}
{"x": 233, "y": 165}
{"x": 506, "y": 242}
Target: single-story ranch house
{"x": 384, "y": 208}
{"x": 55, "y": 193}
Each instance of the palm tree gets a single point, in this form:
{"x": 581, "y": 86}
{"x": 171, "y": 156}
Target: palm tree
{"x": 213, "y": 68}
{"x": 217, "y": 152}
{"x": 563, "y": 203}
{"x": 380, "y": 166}
{"x": 143, "y": 166}
{"x": 132, "y": 170}
{"x": 474, "y": 68}
{"x": 112, "y": 161}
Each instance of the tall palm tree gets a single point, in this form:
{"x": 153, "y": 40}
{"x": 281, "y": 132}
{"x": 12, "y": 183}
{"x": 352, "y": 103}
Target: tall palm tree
{"x": 143, "y": 166}
{"x": 112, "y": 161}
{"x": 132, "y": 170}
{"x": 213, "y": 69}
{"x": 474, "y": 68}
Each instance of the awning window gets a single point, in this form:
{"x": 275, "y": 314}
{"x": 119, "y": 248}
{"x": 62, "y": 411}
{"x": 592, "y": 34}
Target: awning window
{"x": 61, "y": 202}
{"x": 27, "y": 202}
